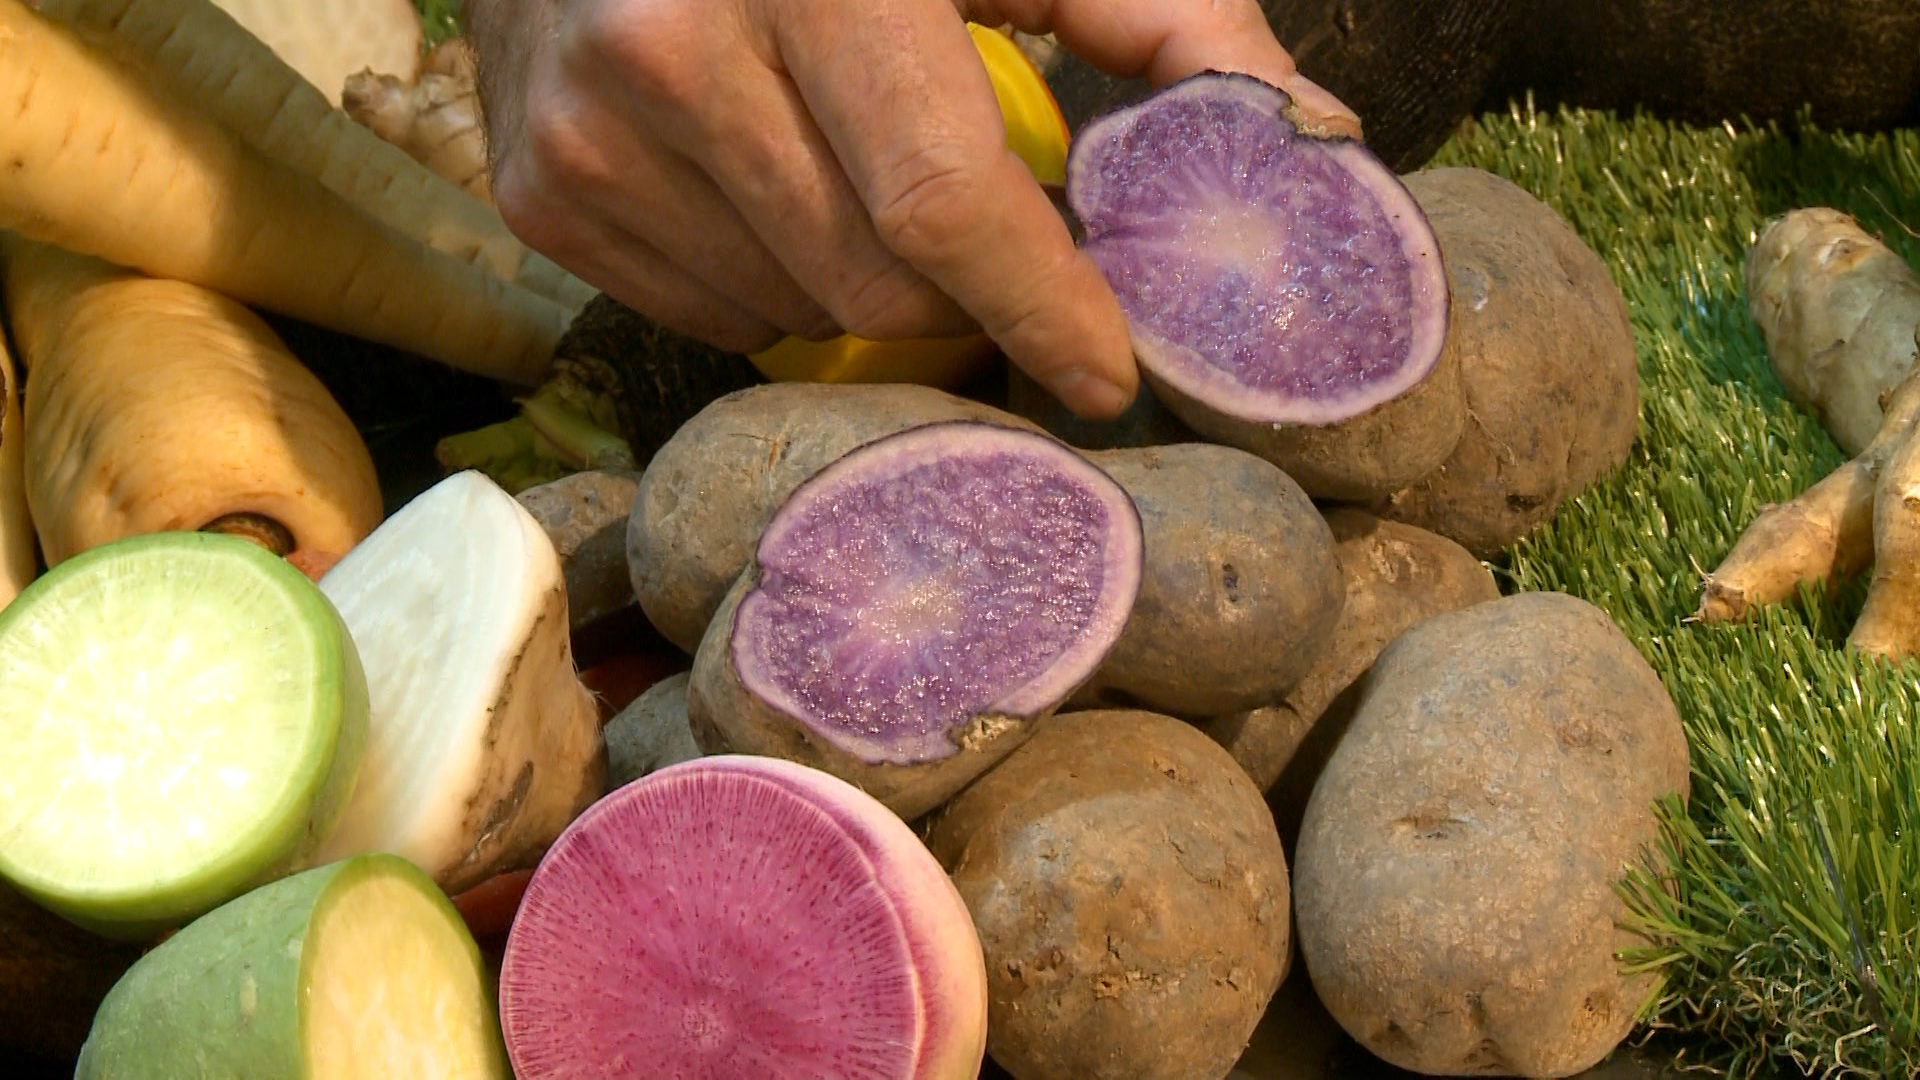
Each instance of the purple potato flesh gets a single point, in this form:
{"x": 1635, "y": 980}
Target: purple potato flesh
{"x": 1275, "y": 277}
{"x": 927, "y": 579}
{"x": 742, "y": 916}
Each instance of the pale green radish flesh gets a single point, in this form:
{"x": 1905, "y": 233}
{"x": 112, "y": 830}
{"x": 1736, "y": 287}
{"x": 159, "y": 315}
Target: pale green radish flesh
{"x": 181, "y": 711}
{"x": 482, "y": 739}
{"x": 392, "y": 988}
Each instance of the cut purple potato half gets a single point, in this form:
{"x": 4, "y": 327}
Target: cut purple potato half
{"x": 742, "y": 916}
{"x": 915, "y": 605}
{"x": 1280, "y": 287}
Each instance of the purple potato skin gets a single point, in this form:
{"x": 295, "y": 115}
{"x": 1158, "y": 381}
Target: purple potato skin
{"x": 1203, "y": 301}
{"x": 1131, "y": 896}
{"x": 1241, "y": 591}
{"x": 1548, "y": 365}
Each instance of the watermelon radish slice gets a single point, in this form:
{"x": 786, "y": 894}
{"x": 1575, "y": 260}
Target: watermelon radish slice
{"x": 184, "y": 715}
{"x": 357, "y": 970}
{"x": 915, "y": 605}
{"x": 1270, "y": 277}
{"x": 742, "y": 917}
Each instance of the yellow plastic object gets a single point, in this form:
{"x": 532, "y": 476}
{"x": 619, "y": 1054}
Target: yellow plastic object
{"x": 1037, "y": 132}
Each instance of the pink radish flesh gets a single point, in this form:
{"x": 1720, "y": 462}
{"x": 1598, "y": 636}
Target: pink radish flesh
{"x": 734, "y": 917}
{"x": 1269, "y": 275}
{"x": 953, "y": 570}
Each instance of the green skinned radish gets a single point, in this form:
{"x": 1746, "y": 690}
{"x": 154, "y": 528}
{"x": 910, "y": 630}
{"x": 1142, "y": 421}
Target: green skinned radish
{"x": 360, "y": 968}
{"x": 184, "y": 715}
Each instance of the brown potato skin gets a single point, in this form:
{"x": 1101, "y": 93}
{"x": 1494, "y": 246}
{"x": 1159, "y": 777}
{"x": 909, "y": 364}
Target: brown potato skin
{"x": 1547, "y": 364}
{"x": 585, "y": 515}
{"x": 707, "y": 494}
{"x": 1241, "y": 590}
{"x": 1455, "y": 874}
{"x": 1130, "y": 894}
{"x": 1356, "y": 460}
{"x": 1395, "y": 577}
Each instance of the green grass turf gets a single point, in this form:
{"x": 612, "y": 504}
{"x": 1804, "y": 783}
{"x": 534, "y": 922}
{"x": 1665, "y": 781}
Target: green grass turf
{"x": 1792, "y": 934}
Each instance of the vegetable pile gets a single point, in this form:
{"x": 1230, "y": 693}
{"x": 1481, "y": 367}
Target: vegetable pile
{"x": 692, "y": 723}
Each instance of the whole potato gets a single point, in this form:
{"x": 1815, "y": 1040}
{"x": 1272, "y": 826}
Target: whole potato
{"x": 1130, "y": 893}
{"x": 1456, "y": 866}
{"x": 1547, "y": 363}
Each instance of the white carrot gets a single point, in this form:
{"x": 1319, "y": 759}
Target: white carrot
{"x": 199, "y": 52}
{"x": 95, "y": 161}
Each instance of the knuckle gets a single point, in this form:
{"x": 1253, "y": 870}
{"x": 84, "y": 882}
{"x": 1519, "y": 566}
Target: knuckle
{"x": 560, "y": 145}
{"x": 654, "y": 48}
{"x": 922, "y": 211}
{"x": 893, "y": 302}
{"x": 518, "y": 199}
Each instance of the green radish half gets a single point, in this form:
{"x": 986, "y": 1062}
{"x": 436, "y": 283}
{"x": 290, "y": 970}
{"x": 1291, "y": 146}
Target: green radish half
{"x": 359, "y": 968}
{"x": 184, "y": 715}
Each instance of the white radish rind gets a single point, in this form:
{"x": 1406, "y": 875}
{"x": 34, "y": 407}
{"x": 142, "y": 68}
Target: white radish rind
{"x": 742, "y": 916}
{"x": 356, "y": 970}
{"x": 483, "y": 742}
{"x": 183, "y": 715}
{"x": 915, "y": 605}
{"x": 1269, "y": 276}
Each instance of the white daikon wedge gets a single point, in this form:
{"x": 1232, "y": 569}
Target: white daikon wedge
{"x": 483, "y": 744}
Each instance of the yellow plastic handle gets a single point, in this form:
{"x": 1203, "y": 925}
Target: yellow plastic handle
{"x": 1037, "y": 132}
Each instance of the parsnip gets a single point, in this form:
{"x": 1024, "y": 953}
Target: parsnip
{"x": 1889, "y": 624}
{"x": 197, "y": 51}
{"x": 97, "y": 162}
{"x": 328, "y": 40}
{"x": 435, "y": 118}
{"x": 158, "y": 405}
{"x": 18, "y": 562}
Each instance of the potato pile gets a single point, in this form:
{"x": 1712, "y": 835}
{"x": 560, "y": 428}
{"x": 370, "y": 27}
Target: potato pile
{"x": 1315, "y": 726}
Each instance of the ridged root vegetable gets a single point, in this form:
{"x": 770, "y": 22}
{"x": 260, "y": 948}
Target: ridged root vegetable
{"x": 157, "y": 405}
{"x": 326, "y": 41}
{"x": 435, "y": 117}
{"x": 18, "y": 559}
{"x": 102, "y": 163}
{"x": 193, "y": 49}
{"x": 1840, "y": 313}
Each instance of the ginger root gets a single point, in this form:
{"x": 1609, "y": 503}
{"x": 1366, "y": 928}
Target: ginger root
{"x": 1840, "y": 312}
{"x": 435, "y": 118}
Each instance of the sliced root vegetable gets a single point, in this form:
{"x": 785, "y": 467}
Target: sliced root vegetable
{"x": 739, "y": 916}
{"x": 435, "y": 117}
{"x": 1241, "y": 589}
{"x": 100, "y": 163}
{"x": 483, "y": 742}
{"x": 53, "y": 976}
{"x": 198, "y": 52}
{"x": 184, "y": 714}
{"x": 160, "y": 406}
{"x": 686, "y": 547}
{"x": 1837, "y": 309}
{"x": 19, "y": 561}
{"x": 327, "y": 41}
{"x": 914, "y": 606}
{"x": 651, "y": 733}
{"x": 1285, "y": 292}
{"x": 360, "y": 968}
{"x": 1130, "y": 896}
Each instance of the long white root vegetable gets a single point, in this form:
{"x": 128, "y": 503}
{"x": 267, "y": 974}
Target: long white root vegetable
{"x": 195, "y": 50}
{"x": 158, "y": 405}
{"x": 97, "y": 162}
{"x": 17, "y": 558}
{"x": 328, "y": 40}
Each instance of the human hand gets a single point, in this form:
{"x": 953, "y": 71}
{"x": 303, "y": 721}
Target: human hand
{"x": 741, "y": 170}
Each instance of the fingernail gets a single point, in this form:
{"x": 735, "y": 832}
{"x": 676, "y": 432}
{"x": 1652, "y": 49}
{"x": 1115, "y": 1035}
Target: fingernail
{"x": 1090, "y": 395}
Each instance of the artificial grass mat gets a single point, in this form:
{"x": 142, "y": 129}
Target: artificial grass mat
{"x": 1791, "y": 933}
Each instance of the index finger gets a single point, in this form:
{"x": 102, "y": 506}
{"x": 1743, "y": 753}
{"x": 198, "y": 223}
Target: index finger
{"x": 902, "y": 98}
{"x": 1164, "y": 41}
